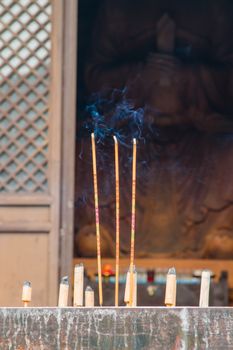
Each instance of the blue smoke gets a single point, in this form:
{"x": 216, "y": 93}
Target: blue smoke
{"x": 114, "y": 115}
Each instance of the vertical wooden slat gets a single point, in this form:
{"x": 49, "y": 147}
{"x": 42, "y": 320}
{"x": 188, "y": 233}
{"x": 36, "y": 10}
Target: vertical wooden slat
{"x": 55, "y": 149}
{"x": 68, "y": 140}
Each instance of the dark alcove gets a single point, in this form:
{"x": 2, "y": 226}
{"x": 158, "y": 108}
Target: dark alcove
{"x": 160, "y": 71}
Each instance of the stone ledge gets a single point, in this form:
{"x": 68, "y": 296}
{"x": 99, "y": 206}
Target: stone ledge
{"x": 147, "y": 328}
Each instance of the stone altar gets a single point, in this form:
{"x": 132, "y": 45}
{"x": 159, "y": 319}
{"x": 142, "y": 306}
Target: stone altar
{"x": 116, "y": 328}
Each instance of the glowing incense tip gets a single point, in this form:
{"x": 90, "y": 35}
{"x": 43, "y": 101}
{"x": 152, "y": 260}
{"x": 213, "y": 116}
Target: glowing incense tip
{"x": 134, "y": 141}
{"x": 93, "y": 135}
{"x": 115, "y": 139}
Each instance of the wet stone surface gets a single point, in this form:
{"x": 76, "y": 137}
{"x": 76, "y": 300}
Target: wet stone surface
{"x": 111, "y": 328}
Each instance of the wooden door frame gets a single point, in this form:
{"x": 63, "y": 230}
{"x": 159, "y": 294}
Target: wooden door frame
{"x": 68, "y": 128}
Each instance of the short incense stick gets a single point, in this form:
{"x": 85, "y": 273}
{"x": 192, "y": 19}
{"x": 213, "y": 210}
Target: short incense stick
{"x": 117, "y": 222}
{"x": 133, "y": 222}
{"x": 135, "y": 292}
{"x": 127, "y": 288}
{"x": 63, "y": 292}
{"x": 97, "y": 219}
{"x": 89, "y": 297}
{"x": 78, "y": 284}
{"x": 205, "y": 289}
{"x": 170, "y": 294}
{"x": 26, "y": 293}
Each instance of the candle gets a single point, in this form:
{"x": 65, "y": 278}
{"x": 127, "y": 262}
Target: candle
{"x": 97, "y": 219}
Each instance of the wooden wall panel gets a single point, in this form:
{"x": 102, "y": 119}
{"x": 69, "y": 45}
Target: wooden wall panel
{"x": 22, "y": 214}
{"x": 23, "y": 257}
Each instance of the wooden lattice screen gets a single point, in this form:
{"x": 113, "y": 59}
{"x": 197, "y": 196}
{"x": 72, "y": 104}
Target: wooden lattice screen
{"x": 25, "y": 45}
{"x": 37, "y": 93}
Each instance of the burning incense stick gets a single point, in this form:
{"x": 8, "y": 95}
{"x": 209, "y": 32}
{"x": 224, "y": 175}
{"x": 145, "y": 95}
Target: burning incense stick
{"x": 26, "y": 293}
{"x": 117, "y": 222}
{"x": 63, "y": 292}
{"x": 133, "y": 221}
{"x": 135, "y": 280}
{"x": 97, "y": 219}
{"x": 170, "y": 294}
{"x": 205, "y": 289}
{"x": 127, "y": 288}
{"x": 78, "y": 284}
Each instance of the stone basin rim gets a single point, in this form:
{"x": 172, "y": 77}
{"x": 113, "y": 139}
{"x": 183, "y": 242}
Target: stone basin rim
{"x": 116, "y": 308}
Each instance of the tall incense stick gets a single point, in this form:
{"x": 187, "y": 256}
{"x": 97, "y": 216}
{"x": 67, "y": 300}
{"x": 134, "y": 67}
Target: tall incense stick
{"x": 97, "y": 219}
{"x": 133, "y": 222}
{"x": 117, "y": 221}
